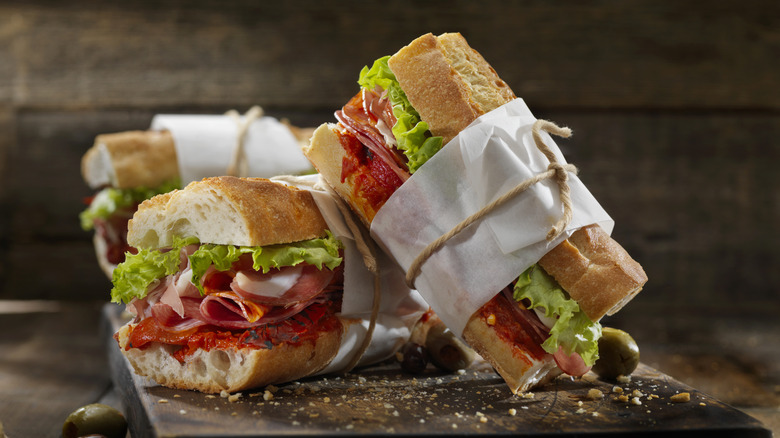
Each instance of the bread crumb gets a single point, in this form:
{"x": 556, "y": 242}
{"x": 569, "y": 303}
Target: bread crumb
{"x": 623, "y": 398}
{"x": 326, "y": 399}
{"x": 224, "y": 394}
{"x": 234, "y": 397}
{"x": 595, "y": 394}
{"x": 682, "y": 397}
{"x": 491, "y": 319}
{"x": 617, "y": 389}
{"x": 176, "y": 396}
{"x": 624, "y": 379}
{"x": 267, "y": 395}
{"x": 636, "y": 401}
{"x": 211, "y": 396}
{"x": 637, "y": 393}
{"x": 595, "y": 414}
{"x": 162, "y": 400}
{"x": 512, "y": 411}
{"x": 702, "y": 404}
{"x": 483, "y": 419}
{"x": 580, "y": 411}
{"x": 527, "y": 395}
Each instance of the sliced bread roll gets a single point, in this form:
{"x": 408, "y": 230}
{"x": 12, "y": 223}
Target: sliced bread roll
{"x": 230, "y": 370}
{"x": 232, "y": 211}
{"x": 130, "y": 159}
{"x": 451, "y": 85}
{"x": 229, "y": 211}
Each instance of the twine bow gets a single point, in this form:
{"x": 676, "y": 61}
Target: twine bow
{"x": 554, "y": 170}
{"x": 238, "y": 164}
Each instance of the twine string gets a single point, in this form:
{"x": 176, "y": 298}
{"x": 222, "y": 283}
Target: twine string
{"x": 238, "y": 164}
{"x": 367, "y": 250}
{"x": 556, "y": 170}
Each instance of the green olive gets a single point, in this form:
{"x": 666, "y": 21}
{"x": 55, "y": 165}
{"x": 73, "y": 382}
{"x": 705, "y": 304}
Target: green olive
{"x": 618, "y": 354}
{"x": 446, "y": 350}
{"x": 95, "y": 419}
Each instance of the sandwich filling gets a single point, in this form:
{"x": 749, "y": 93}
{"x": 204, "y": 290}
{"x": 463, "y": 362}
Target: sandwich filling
{"x": 202, "y": 296}
{"x": 385, "y": 141}
{"x": 109, "y": 211}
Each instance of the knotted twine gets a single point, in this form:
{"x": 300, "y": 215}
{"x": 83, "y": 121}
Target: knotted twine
{"x": 238, "y": 164}
{"x": 556, "y": 170}
{"x": 367, "y": 250}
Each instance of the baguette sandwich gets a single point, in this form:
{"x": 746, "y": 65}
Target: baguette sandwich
{"x": 410, "y": 105}
{"x": 237, "y": 283}
{"x": 126, "y": 168}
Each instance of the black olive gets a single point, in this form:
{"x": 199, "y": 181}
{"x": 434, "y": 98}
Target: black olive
{"x": 414, "y": 358}
{"x": 446, "y": 350}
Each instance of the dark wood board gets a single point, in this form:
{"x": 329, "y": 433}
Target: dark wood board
{"x": 381, "y": 400}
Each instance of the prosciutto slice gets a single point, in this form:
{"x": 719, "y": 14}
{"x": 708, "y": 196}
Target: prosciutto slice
{"x": 262, "y": 289}
{"x": 232, "y": 313}
{"x": 573, "y": 364}
{"x": 357, "y": 118}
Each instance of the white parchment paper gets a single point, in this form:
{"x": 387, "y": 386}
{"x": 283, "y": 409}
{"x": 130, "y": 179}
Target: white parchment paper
{"x": 487, "y": 159}
{"x": 205, "y": 146}
{"x": 400, "y": 308}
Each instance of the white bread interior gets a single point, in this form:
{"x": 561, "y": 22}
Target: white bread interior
{"x": 229, "y": 211}
{"x": 447, "y": 82}
{"x": 326, "y": 154}
{"x": 101, "y": 249}
{"x": 519, "y": 369}
{"x": 230, "y": 370}
{"x": 595, "y": 270}
{"x": 130, "y": 159}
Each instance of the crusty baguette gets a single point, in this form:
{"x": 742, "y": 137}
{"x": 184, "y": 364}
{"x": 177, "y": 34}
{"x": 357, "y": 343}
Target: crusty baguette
{"x": 447, "y": 82}
{"x": 130, "y": 159}
{"x": 231, "y": 370}
{"x": 595, "y": 270}
{"x": 520, "y": 370}
{"x": 326, "y": 154}
{"x": 229, "y": 211}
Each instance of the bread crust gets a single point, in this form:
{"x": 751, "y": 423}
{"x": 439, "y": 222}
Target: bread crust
{"x": 230, "y": 211}
{"x": 130, "y": 159}
{"x": 447, "y": 82}
{"x": 232, "y": 369}
{"x": 595, "y": 270}
{"x": 519, "y": 369}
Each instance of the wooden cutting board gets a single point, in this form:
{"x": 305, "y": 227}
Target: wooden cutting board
{"x": 382, "y": 400}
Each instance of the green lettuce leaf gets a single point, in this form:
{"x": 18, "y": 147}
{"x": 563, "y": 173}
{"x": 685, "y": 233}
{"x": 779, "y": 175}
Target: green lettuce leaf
{"x": 110, "y": 200}
{"x": 133, "y": 277}
{"x": 413, "y": 136}
{"x": 572, "y": 329}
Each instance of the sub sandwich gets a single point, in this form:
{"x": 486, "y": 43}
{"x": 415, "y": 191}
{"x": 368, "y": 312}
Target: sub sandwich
{"x": 410, "y": 106}
{"x": 237, "y": 283}
{"x": 126, "y": 168}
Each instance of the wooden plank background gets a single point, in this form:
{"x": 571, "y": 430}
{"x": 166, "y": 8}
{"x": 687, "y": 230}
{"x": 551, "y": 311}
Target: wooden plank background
{"x": 675, "y": 108}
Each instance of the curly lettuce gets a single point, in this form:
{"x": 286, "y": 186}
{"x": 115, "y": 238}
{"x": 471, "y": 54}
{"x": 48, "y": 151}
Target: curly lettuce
{"x": 573, "y": 330}
{"x": 412, "y": 134}
{"x": 110, "y": 200}
{"x": 133, "y": 277}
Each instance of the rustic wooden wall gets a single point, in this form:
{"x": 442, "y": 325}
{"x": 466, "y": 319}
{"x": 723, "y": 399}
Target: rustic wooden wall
{"x": 675, "y": 108}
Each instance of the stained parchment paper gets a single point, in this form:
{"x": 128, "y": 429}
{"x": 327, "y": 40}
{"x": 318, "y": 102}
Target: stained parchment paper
{"x": 400, "y": 308}
{"x": 490, "y": 157}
